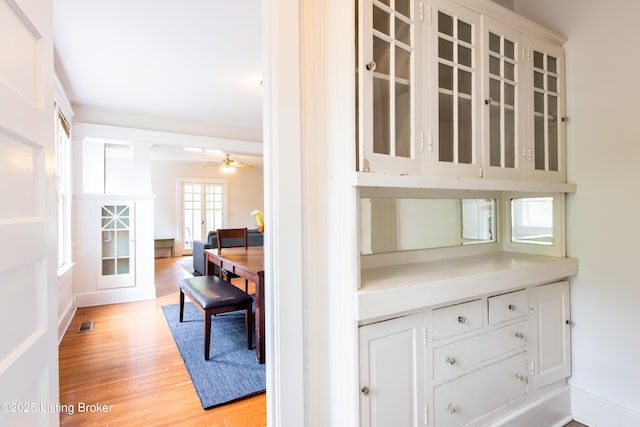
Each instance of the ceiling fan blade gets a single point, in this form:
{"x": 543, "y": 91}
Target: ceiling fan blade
{"x": 240, "y": 165}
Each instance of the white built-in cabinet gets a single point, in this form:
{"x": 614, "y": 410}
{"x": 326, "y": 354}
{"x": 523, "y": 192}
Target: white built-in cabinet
{"x": 461, "y": 99}
{"x": 461, "y": 89}
{"x": 456, "y": 364}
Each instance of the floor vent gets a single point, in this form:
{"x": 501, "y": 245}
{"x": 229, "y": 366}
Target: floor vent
{"x": 86, "y": 327}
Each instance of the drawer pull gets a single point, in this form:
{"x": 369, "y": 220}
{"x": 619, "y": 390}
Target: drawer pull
{"x": 520, "y": 335}
{"x": 461, "y": 319}
{"x": 451, "y": 360}
{"x": 521, "y": 378}
{"x": 512, "y": 307}
{"x": 365, "y": 390}
{"x": 452, "y": 409}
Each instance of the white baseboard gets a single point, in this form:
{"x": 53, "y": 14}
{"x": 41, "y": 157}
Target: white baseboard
{"x": 595, "y": 411}
{"x": 115, "y": 296}
{"x": 65, "y": 320}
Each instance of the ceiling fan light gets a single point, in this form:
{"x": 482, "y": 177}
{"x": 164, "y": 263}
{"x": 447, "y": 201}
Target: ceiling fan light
{"x": 227, "y": 168}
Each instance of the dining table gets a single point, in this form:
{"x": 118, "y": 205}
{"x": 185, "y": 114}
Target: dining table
{"x": 247, "y": 263}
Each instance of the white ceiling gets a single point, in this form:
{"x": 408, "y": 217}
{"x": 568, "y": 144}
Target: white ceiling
{"x": 191, "y": 67}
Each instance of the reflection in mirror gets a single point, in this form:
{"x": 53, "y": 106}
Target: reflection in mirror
{"x": 532, "y": 220}
{"x": 389, "y": 225}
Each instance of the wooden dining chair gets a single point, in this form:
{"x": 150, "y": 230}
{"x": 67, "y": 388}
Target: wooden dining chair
{"x": 232, "y": 238}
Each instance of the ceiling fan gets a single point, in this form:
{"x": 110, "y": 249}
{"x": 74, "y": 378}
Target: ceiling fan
{"x": 229, "y": 165}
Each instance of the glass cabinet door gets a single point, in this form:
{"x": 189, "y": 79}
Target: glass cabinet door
{"x": 454, "y": 140}
{"x": 504, "y": 154}
{"x": 388, "y": 39}
{"x": 116, "y": 251}
{"x": 546, "y": 152}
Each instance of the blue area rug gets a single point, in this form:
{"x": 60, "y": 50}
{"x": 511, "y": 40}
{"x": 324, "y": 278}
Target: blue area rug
{"x": 232, "y": 371}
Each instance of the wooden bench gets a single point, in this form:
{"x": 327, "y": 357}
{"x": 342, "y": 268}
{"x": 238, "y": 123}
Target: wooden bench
{"x": 212, "y": 295}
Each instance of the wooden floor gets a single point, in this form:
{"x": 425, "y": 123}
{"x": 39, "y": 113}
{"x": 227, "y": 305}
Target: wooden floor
{"x": 130, "y": 367}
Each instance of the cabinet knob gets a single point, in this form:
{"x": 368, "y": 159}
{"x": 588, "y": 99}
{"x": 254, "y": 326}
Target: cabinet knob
{"x": 365, "y": 390}
{"x": 451, "y": 360}
{"x": 521, "y": 378}
{"x": 461, "y": 319}
{"x": 371, "y": 65}
{"x": 520, "y": 335}
{"x": 512, "y": 307}
{"x": 452, "y": 409}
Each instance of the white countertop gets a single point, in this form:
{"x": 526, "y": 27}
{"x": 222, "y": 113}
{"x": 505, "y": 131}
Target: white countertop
{"x": 391, "y": 290}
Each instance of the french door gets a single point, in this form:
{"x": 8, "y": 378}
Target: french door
{"x": 203, "y": 210}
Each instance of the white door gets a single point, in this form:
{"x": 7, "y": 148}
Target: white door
{"x": 28, "y": 259}
{"x": 550, "y": 346}
{"x": 392, "y": 373}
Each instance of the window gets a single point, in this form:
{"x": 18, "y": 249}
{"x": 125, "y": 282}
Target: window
{"x": 63, "y": 186}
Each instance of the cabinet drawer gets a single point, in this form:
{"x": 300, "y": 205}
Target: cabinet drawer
{"x": 471, "y": 396}
{"x": 507, "y": 306}
{"x": 454, "y": 357}
{"x": 457, "y": 319}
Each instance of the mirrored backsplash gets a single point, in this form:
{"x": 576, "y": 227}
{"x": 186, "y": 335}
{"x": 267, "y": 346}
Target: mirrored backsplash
{"x": 391, "y": 225}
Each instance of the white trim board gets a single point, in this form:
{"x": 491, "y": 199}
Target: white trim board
{"x": 595, "y": 411}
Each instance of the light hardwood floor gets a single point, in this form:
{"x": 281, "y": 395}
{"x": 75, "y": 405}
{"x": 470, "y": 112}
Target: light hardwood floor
{"x": 130, "y": 363}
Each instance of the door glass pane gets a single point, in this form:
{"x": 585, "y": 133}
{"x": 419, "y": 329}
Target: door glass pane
{"x": 464, "y": 31}
{"x": 381, "y": 55}
{"x": 445, "y": 77}
{"x": 403, "y": 32}
{"x": 538, "y": 80}
{"x": 509, "y": 49}
{"x": 445, "y": 49}
{"x": 539, "y": 143}
{"x": 553, "y": 133}
{"x": 402, "y": 6}
{"x": 464, "y": 56}
{"x": 495, "y": 124}
{"x": 538, "y": 60}
{"x": 494, "y": 65}
{"x": 403, "y": 64}
{"x": 445, "y": 137}
{"x": 494, "y": 43}
{"x": 509, "y": 71}
{"x": 552, "y": 66}
{"x": 381, "y": 116}
{"x": 123, "y": 266}
{"x": 381, "y": 20}
{"x": 465, "y": 131}
{"x": 403, "y": 120}
{"x": 509, "y": 127}
{"x": 552, "y": 84}
{"x": 465, "y": 82}
{"x": 445, "y": 24}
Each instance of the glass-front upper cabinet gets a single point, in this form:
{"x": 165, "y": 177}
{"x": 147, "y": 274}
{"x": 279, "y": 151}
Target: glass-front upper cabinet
{"x": 504, "y": 154}
{"x": 547, "y": 149}
{"x": 389, "y": 90}
{"x": 454, "y": 139}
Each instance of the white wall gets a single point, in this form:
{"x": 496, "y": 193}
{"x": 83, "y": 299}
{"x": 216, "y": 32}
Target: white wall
{"x": 245, "y": 191}
{"x": 602, "y": 60}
